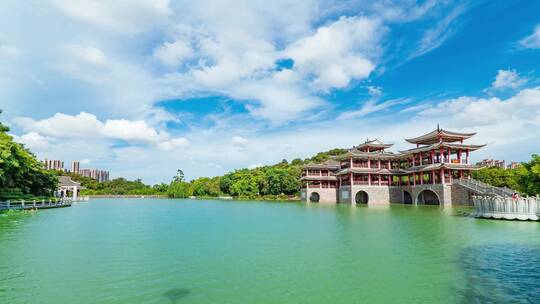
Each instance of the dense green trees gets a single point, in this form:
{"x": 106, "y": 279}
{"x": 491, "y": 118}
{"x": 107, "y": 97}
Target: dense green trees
{"x": 525, "y": 179}
{"x": 276, "y": 181}
{"x": 21, "y": 174}
{"x": 528, "y": 176}
{"x": 117, "y": 186}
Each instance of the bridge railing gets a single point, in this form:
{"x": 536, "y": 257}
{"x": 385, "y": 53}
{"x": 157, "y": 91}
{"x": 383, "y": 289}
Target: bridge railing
{"x": 482, "y": 188}
{"x": 498, "y": 207}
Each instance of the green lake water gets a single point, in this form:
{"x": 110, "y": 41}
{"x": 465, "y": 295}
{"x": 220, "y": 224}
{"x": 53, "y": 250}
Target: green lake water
{"x": 192, "y": 251}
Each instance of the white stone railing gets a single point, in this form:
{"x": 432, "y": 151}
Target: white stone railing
{"x": 481, "y": 188}
{"x": 498, "y": 207}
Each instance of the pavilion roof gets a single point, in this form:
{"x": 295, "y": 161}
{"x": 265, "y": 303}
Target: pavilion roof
{"x": 439, "y": 134}
{"x": 400, "y": 171}
{"x": 318, "y": 178}
{"x": 375, "y": 143}
{"x": 372, "y": 155}
{"x": 452, "y": 146}
{"x": 437, "y": 166}
{"x": 329, "y": 164}
{"x": 65, "y": 181}
{"x": 369, "y": 170}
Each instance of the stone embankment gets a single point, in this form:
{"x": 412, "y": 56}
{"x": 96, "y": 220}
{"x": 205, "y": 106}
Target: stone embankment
{"x": 507, "y": 208}
{"x": 129, "y": 196}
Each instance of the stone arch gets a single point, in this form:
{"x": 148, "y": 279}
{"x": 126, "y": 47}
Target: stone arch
{"x": 361, "y": 197}
{"x": 407, "y": 198}
{"x": 428, "y": 197}
{"x": 314, "y": 197}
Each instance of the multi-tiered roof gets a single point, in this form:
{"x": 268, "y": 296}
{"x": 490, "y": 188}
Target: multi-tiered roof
{"x": 440, "y": 142}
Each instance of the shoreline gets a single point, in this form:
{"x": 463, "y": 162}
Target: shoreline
{"x": 163, "y": 196}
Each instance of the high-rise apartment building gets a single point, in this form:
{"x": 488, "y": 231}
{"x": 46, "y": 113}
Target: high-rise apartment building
{"x": 51, "y": 164}
{"x": 75, "y": 166}
{"x": 99, "y": 175}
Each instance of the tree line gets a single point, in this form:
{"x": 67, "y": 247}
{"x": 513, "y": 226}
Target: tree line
{"x": 22, "y": 176}
{"x": 278, "y": 181}
{"x": 525, "y": 178}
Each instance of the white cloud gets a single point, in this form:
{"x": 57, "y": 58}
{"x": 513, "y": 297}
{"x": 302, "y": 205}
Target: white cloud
{"x": 532, "y": 41}
{"x": 33, "y": 141}
{"x": 118, "y": 15}
{"x": 375, "y": 91}
{"x": 337, "y": 53}
{"x": 173, "y": 54}
{"x": 520, "y": 109}
{"x": 371, "y": 106}
{"x": 132, "y": 131}
{"x": 404, "y": 11}
{"x": 87, "y": 126}
{"x": 173, "y": 144}
{"x": 239, "y": 141}
{"x": 84, "y": 161}
{"x": 9, "y": 51}
{"x": 507, "y": 79}
{"x": 87, "y": 54}
{"x": 442, "y": 31}
{"x": 83, "y": 125}
{"x": 255, "y": 166}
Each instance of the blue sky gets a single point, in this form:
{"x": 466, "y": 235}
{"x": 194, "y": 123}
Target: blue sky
{"x": 145, "y": 87}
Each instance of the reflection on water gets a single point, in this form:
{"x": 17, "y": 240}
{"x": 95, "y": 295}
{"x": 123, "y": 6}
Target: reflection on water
{"x": 177, "y": 294}
{"x": 503, "y": 273}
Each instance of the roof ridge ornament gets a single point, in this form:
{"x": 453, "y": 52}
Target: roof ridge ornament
{"x": 438, "y": 128}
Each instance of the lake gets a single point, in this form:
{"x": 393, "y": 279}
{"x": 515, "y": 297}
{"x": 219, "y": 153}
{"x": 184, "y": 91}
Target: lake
{"x": 205, "y": 251}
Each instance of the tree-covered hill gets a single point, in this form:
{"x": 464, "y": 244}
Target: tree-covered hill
{"x": 275, "y": 181}
{"x": 21, "y": 175}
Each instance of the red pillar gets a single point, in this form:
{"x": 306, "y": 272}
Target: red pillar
{"x": 421, "y": 178}
{"x": 414, "y": 178}
{"x": 442, "y": 176}
{"x": 369, "y": 179}
{"x": 433, "y": 176}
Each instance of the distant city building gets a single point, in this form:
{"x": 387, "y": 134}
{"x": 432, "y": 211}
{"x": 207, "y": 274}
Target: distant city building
{"x": 492, "y": 163}
{"x": 75, "y": 166}
{"x": 99, "y": 175}
{"x": 514, "y": 165}
{"x": 53, "y": 164}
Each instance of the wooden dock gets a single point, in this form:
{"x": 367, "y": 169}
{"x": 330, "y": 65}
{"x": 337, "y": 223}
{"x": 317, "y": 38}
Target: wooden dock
{"x": 34, "y": 205}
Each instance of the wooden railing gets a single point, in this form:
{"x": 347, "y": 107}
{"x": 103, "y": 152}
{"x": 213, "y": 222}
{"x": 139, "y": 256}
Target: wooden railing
{"x": 33, "y": 204}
